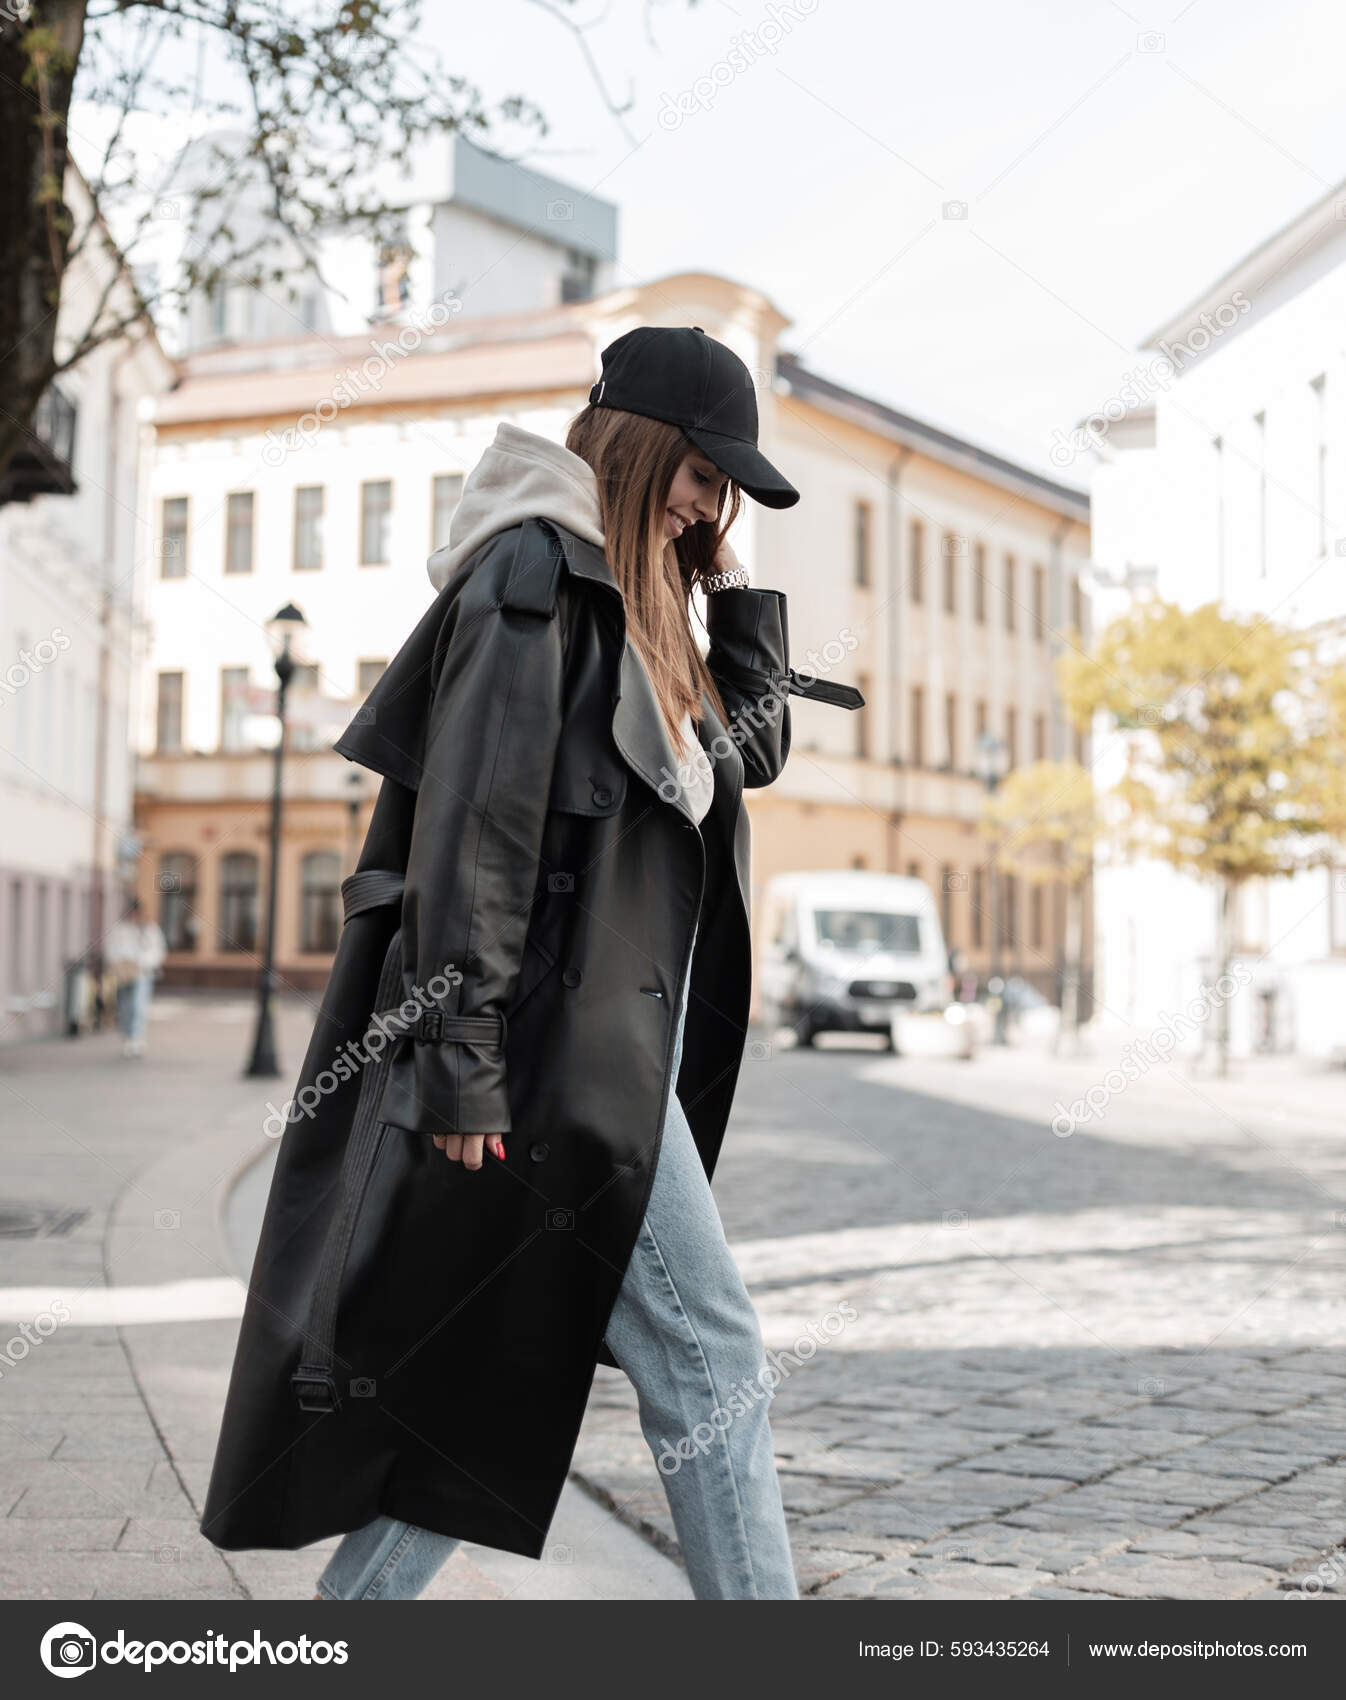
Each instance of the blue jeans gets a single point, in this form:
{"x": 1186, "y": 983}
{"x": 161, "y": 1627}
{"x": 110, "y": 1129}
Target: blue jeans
{"x": 684, "y": 1330}
{"x": 133, "y": 1005}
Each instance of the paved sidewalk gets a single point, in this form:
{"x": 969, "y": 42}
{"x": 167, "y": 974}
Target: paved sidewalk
{"x": 114, "y": 1256}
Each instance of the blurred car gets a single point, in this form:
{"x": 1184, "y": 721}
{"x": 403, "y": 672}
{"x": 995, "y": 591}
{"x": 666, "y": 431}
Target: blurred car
{"x": 846, "y": 950}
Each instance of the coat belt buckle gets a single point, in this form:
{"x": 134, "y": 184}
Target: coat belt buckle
{"x": 315, "y": 1388}
{"x": 432, "y": 1024}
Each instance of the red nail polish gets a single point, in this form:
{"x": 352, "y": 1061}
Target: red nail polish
{"x": 500, "y": 1149}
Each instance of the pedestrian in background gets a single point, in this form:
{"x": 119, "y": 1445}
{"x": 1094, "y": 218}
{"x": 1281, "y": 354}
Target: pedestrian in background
{"x": 134, "y": 952}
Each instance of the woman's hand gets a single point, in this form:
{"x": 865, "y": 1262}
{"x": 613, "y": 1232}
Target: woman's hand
{"x": 466, "y": 1148}
{"x": 726, "y": 561}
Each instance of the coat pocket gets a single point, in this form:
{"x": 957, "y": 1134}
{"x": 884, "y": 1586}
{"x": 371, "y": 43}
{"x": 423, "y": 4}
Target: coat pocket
{"x": 537, "y": 962}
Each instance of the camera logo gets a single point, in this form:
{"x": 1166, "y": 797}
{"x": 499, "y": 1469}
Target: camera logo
{"x": 68, "y": 1649}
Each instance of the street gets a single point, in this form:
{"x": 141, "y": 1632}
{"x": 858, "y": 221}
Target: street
{"x": 1012, "y": 1363}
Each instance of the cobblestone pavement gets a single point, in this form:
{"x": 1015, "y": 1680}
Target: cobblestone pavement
{"x": 1106, "y": 1364}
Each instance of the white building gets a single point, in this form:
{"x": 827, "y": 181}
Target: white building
{"x": 73, "y": 530}
{"x": 1231, "y": 488}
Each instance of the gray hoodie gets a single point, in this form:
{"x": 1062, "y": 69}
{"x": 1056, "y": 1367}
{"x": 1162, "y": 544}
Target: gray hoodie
{"x": 524, "y": 476}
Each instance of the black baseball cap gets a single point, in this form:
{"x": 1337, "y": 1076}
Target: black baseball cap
{"x": 680, "y": 375}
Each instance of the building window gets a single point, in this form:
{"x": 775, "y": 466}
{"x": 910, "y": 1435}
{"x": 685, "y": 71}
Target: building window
{"x": 1039, "y": 603}
{"x": 238, "y": 901}
{"x": 862, "y": 722}
{"x": 1035, "y": 917}
{"x": 950, "y": 731}
{"x": 235, "y": 688}
{"x": 238, "y": 532}
{"x": 977, "y": 908}
{"x": 1011, "y": 591}
{"x": 1080, "y": 747}
{"x": 913, "y": 870}
{"x": 309, "y": 502}
{"x": 173, "y": 537}
{"x": 1009, "y": 911}
{"x": 392, "y": 288}
{"x": 1039, "y": 737}
{"x": 368, "y": 675}
{"x": 177, "y": 899}
{"x": 979, "y": 584}
{"x": 946, "y": 889}
{"x": 1319, "y": 388}
{"x": 1260, "y": 425}
{"x": 168, "y": 719}
{"x": 376, "y": 511}
{"x": 18, "y": 979}
{"x": 319, "y": 900}
{"x": 1077, "y": 606}
{"x": 304, "y": 731}
{"x": 982, "y": 719}
{"x": 917, "y": 726}
{"x": 863, "y": 533}
{"x": 1012, "y": 736}
{"x": 446, "y": 492}
{"x": 953, "y": 548}
{"x": 579, "y": 278}
{"x": 1336, "y": 909}
{"x": 917, "y": 562}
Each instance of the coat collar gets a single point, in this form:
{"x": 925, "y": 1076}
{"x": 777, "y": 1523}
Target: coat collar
{"x": 638, "y": 728}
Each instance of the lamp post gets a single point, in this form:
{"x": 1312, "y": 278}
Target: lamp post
{"x": 992, "y": 766}
{"x": 282, "y": 629}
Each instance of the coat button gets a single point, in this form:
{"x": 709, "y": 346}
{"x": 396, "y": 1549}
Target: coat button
{"x": 602, "y": 796}
{"x": 539, "y": 1152}
{"x": 572, "y": 977}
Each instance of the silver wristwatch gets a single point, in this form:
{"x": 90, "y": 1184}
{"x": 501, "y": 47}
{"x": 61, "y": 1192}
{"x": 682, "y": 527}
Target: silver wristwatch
{"x": 735, "y": 580}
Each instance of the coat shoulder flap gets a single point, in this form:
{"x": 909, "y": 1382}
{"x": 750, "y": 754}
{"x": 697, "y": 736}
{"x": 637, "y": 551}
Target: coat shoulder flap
{"x": 517, "y": 569}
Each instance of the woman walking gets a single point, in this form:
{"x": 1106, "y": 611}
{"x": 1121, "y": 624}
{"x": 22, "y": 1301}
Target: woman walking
{"x": 495, "y": 1173}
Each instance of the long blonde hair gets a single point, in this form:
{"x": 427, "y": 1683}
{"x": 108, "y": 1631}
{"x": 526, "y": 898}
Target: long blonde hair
{"x": 635, "y": 460}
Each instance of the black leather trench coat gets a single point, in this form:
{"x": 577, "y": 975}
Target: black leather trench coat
{"x": 420, "y": 1340}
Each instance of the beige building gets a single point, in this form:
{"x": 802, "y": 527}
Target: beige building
{"x": 936, "y": 576}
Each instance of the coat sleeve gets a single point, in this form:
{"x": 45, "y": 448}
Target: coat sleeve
{"x": 472, "y": 869}
{"x": 749, "y": 661}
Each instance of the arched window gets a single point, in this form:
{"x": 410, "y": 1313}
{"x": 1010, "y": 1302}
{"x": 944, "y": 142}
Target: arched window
{"x": 177, "y": 900}
{"x": 238, "y": 901}
{"x": 319, "y": 900}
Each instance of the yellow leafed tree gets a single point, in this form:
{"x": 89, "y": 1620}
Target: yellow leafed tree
{"x": 1234, "y": 768}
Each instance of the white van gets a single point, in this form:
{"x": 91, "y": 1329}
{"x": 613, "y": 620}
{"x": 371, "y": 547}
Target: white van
{"x": 848, "y": 951}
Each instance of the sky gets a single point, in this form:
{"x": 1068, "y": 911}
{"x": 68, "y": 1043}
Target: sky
{"x": 1113, "y": 161}
{"x": 974, "y": 212}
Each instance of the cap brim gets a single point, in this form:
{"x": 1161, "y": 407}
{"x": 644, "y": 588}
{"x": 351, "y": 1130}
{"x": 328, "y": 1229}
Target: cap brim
{"x": 747, "y": 466}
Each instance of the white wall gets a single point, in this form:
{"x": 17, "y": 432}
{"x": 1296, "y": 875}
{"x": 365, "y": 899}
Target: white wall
{"x": 1194, "y": 511}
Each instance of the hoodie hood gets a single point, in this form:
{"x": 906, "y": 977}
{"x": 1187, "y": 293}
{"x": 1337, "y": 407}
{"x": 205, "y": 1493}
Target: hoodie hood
{"x": 521, "y": 476}
{"x": 524, "y": 476}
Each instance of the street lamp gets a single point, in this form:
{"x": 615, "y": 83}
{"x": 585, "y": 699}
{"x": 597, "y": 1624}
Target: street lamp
{"x": 991, "y": 767}
{"x": 282, "y": 631}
